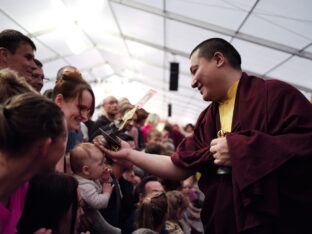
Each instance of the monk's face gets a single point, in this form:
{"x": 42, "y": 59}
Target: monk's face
{"x": 207, "y": 77}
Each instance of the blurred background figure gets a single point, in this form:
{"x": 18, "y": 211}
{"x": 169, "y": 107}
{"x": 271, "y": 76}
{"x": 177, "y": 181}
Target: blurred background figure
{"x": 188, "y": 129}
{"x": 37, "y": 78}
{"x": 109, "y": 114}
{"x": 152, "y": 213}
{"x": 177, "y": 204}
{"x": 150, "y": 123}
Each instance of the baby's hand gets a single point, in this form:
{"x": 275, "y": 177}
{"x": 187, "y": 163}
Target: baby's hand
{"x": 107, "y": 187}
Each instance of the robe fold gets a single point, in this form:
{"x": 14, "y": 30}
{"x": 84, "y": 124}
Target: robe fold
{"x": 269, "y": 189}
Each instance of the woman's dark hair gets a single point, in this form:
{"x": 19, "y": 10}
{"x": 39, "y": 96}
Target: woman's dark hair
{"x": 71, "y": 84}
{"x": 26, "y": 118}
{"x": 48, "y": 200}
{"x": 209, "y": 47}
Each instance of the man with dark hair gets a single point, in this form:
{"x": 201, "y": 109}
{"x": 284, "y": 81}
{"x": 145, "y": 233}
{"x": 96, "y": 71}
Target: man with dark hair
{"x": 37, "y": 78}
{"x": 208, "y": 48}
{"x": 252, "y": 146}
{"x": 17, "y": 53}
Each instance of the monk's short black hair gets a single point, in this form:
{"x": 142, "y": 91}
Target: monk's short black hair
{"x": 209, "y": 47}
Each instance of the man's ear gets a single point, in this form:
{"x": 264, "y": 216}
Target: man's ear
{"x": 219, "y": 58}
{"x": 4, "y": 54}
{"x": 59, "y": 99}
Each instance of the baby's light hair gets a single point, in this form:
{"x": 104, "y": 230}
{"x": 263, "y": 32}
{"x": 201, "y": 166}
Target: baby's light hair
{"x": 80, "y": 155}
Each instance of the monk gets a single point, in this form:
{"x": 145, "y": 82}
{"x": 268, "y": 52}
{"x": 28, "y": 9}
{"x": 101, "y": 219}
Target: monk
{"x": 252, "y": 146}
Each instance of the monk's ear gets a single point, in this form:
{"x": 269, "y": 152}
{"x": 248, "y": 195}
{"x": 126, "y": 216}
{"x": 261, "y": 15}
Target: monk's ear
{"x": 219, "y": 58}
{"x": 59, "y": 99}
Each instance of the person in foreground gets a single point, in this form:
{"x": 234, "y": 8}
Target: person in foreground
{"x": 31, "y": 143}
{"x": 53, "y": 201}
{"x": 252, "y": 145}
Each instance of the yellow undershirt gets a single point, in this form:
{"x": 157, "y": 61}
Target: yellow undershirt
{"x": 226, "y": 109}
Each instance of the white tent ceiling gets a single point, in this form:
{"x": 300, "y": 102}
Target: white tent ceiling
{"x": 124, "y": 47}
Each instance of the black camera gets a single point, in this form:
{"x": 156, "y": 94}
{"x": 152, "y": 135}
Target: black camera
{"x": 110, "y": 133}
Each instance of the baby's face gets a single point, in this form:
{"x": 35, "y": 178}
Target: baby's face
{"x": 97, "y": 165}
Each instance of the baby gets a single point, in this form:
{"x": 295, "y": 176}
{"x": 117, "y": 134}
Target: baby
{"x": 93, "y": 173}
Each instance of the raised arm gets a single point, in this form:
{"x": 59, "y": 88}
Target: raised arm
{"x": 159, "y": 165}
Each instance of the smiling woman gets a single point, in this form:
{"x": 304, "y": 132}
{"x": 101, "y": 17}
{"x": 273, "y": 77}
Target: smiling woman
{"x": 74, "y": 96}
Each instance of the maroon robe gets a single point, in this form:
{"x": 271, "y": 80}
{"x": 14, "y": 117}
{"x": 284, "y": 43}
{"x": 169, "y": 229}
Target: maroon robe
{"x": 270, "y": 187}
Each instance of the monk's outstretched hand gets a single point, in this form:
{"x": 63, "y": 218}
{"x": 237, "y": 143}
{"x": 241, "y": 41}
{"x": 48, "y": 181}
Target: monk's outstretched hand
{"x": 220, "y": 150}
{"x": 122, "y": 153}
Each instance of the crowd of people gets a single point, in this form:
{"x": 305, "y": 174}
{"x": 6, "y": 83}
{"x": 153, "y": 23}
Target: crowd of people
{"x": 243, "y": 168}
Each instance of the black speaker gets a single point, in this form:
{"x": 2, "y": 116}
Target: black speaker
{"x": 174, "y": 76}
{"x": 169, "y": 110}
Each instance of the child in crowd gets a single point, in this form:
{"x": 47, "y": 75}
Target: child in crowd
{"x": 152, "y": 213}
{"x": 89, "y": 166}
{"x": 177, "y": 204}
{"x": 93, "y": 174}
